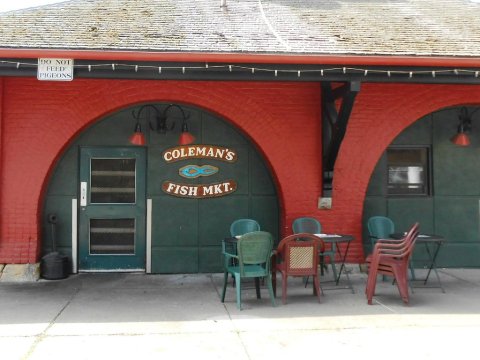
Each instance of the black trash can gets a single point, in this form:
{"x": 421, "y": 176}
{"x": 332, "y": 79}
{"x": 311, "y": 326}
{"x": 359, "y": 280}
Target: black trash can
{"x": 54, "y": 266}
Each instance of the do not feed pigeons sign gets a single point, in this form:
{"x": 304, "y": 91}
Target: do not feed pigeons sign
{"x": 55, "y": 69}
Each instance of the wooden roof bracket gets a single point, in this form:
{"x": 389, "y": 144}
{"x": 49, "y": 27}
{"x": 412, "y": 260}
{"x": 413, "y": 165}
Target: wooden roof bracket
{"x": 334, "y": 125}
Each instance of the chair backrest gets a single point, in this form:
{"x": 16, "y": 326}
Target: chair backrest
{"x": 403, "y": 249}
{"x": 300, "y": 257}
{"x": 243, "y": 226}
{"x": 380, "y": 227}
{"x": 410, "y": 240}
{"x": 255, "y": 248}
{"x": 306, "y": 225}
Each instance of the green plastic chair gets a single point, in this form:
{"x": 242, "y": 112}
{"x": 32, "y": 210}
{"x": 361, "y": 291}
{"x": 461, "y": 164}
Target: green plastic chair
{"x": 381, "y": 227}
{"x": 312, "y": 226}
{"x": 243, "y": 226}
{"x": 252, "y": 260}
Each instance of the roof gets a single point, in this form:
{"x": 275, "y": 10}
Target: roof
{"x": 296, "y": 27}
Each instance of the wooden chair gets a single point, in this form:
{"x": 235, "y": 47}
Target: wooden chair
{"x": 391, "y": 258}
{"x": 299, "y": 258}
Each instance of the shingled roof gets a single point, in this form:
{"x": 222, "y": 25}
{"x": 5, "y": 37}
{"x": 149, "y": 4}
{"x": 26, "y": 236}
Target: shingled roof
{"x": 298, "y": 27}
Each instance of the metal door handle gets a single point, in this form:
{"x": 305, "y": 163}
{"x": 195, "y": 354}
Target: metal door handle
{"x": 83, "y": 193}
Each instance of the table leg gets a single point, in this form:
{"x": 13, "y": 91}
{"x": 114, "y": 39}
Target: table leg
{"x": 433, "y": 265}
{"x": 342, "y": 266}
{"x": 336, "y": 280}
{"x": 432, "y": 258}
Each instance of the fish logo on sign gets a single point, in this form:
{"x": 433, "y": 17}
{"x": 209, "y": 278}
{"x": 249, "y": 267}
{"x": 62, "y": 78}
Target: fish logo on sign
{"x": 194, "y": 171}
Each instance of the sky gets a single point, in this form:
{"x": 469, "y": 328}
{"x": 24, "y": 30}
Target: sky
{"x": 6, "y": 5}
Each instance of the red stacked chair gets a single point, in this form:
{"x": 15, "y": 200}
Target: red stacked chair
{"x": 391, "y": 258}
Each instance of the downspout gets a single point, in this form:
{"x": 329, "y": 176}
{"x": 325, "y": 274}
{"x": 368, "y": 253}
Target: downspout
{"x": 241, "y": 58}
{"x": 2, "y": 107}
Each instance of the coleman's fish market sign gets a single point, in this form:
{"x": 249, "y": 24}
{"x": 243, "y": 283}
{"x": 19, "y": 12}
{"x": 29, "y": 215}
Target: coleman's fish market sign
{"x": 193, "y": 171}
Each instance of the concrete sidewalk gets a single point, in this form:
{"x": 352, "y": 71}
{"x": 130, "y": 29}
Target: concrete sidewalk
{"x": 138, "y": 316}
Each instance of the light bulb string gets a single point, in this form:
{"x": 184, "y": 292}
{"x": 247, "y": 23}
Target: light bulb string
{"x": 322, "y": 71}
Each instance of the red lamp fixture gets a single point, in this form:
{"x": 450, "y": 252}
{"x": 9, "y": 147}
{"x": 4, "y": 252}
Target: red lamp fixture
{"x": 161, "y": 125}
{"x": 460, "y": 139}
{"x": 185, "y": 137}
{"x": 465, "y": 125}
{"x": 137, "y": 138}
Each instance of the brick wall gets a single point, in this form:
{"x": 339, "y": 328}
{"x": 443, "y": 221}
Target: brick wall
{"x": 40, "y": 118}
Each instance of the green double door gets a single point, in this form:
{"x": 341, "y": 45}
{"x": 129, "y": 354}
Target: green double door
{"x": 112, "y": 209}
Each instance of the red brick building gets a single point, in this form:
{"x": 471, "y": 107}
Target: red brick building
{"x": 309, "y": 96}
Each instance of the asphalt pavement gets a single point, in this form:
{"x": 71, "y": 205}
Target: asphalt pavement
{"x": 141, "y": 316}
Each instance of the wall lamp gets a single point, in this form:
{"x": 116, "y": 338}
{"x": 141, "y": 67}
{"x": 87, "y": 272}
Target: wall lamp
{"x": 160, "y": 125}
{"x": 465, "y": 126}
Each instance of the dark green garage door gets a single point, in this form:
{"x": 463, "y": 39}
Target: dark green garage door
{"x": 186, "y": 233}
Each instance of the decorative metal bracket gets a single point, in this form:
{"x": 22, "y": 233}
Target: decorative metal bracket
{"x": 335, "y": 125}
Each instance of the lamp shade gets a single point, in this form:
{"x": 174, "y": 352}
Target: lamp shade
{"x": 460, "y": 139}
{"x": 137, "y": 138}
{"x": 185, "y": 137}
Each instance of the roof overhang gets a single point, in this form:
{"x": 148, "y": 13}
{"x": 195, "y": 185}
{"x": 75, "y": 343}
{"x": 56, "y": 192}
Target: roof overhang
{"x": 247, "y": 67}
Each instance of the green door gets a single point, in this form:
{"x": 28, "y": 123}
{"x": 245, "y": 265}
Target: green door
{"x": 112, "y": 209}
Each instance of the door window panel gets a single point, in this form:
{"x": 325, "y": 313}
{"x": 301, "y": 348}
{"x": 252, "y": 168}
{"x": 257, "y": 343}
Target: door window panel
{"x": 112, "y": 181}
{"x": 112, "y": 236}
{"x": 408, "y": 171}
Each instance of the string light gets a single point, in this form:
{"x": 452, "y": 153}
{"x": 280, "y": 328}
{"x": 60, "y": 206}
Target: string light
{"x": 276, "y": 72}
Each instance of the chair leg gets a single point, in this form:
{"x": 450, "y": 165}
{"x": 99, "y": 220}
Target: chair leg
{"x": 274, "y": 283}
{"x": 239, "y": 291}
{"x": 334, "y": 268}
{"x": 225, "y": 281}
{"x": 402, "y": 285}
{"x": 322, "y": 264}
{"x": 270, "y": 289}
{"x": 316, "y": 287}
{"x": 284, "y": 288}
{"x": 371, "y": 284}
{"x": 257, "y": 287}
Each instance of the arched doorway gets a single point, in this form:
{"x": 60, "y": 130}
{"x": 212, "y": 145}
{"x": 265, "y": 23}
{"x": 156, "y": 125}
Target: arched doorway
{"x": 448, "y": 200}
{"x": 153, "y": 230}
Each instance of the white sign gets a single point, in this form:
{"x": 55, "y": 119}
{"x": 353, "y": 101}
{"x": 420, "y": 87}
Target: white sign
{"x": 55, "y": 69}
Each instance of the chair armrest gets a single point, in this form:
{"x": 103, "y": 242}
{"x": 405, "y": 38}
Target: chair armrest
{"x": 228, "y": 255}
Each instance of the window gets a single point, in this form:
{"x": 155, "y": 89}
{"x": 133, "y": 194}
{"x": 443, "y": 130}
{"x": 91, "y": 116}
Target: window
{"x": 408, "y": 171}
